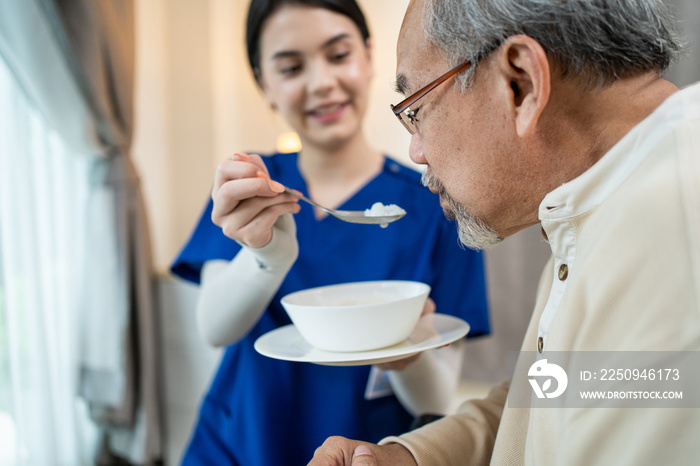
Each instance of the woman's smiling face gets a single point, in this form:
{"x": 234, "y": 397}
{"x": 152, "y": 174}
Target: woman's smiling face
{"x": 315, "y": 69}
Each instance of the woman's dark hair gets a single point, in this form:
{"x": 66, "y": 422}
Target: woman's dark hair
{"x": 260, "y": 10}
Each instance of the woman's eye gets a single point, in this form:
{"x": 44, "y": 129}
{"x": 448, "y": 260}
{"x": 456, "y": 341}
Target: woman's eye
{"x": 290, "y": 69}
{"x": 340, "y": 56}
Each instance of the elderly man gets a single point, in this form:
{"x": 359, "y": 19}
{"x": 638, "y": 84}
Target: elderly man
{"x": 556, "y": 113}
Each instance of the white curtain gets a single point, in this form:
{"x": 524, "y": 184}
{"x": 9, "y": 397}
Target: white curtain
{"x": 63, "y": 285}
{"x": 43, "y": 191}
{"x": 120, "y": 371}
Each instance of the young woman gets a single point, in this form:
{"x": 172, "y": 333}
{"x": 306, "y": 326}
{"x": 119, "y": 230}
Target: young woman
{"x": 255, "y": 244}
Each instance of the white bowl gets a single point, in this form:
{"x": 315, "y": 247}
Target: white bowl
{"x": 359, "y": 316}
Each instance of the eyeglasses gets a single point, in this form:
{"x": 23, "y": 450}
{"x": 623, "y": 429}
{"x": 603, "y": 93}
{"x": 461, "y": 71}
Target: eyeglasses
{"x": 402, "y": 110}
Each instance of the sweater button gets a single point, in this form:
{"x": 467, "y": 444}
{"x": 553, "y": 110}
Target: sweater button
{"x": 540, "y": 345}
{"x": 563, "y": 272}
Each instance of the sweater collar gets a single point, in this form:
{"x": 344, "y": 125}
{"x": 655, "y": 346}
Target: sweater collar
{"x": 591, "y": 188}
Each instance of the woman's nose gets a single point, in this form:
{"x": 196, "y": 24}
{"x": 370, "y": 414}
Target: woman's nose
{"x": 415, "y": 150}
{"x": 321, "y": 79}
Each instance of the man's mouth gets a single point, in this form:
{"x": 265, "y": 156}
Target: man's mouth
{"x": 431, "y": 182}
{"x": 446, "y": 207}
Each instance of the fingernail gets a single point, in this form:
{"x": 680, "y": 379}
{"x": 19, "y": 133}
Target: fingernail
{"x": 362, "y": 450}
{"x": 275, "y": 186}
{"x": 239, "y": 156}
{"x": 272, "y": 184}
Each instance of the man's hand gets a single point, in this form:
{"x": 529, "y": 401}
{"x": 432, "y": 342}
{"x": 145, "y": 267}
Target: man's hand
{"x": 339, "y": 451}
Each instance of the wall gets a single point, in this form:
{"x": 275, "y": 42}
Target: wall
{"x": 687, "y": 70}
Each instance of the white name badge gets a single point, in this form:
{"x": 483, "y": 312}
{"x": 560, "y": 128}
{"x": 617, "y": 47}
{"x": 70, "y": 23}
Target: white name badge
{"x": 377, "y": 384}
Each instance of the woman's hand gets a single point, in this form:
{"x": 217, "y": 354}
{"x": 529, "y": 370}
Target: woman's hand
{"x": 401, "y": 364}
{"x": 247, "y": 203}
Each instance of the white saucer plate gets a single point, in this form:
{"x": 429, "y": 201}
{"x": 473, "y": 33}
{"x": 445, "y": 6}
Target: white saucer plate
{"x": 431, "y": 331}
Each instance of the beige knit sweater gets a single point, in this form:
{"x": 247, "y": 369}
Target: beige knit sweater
{"x": 628, "y": 231}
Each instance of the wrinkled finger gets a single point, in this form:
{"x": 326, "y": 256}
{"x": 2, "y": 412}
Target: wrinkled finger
{"x": 335, "y": 451}
{"x": 363, "y": 456}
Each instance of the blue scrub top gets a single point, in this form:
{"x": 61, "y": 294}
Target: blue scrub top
{"x": 263, "y": 411}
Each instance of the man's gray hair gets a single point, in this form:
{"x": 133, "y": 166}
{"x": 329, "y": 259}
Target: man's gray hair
{"x": 596, "y": 40}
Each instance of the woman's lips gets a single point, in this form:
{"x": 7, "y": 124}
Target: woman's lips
{"x": 328, "y": 113}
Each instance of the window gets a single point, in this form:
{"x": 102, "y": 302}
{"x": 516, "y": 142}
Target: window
{"x": 42, "y": 193}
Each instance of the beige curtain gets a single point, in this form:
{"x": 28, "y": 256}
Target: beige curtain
{"x": 121, "y": 385}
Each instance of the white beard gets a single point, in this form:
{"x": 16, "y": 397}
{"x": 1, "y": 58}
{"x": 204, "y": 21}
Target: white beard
{"x": 473, "y": 232}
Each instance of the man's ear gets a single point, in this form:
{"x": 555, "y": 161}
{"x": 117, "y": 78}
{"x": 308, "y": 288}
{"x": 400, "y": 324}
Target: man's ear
{"x": 526, "y": 68}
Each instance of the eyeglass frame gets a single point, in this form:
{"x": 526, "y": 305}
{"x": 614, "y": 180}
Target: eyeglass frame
{"x": 400, "y": 108}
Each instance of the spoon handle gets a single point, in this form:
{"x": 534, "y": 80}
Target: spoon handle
{"x": 304, "y": 198}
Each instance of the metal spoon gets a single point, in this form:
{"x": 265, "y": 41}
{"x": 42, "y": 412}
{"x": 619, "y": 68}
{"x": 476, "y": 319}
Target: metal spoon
{"x": 352, "y": 216}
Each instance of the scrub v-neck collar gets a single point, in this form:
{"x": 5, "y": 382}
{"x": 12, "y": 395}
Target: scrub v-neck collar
{"x": 300, "y": 185}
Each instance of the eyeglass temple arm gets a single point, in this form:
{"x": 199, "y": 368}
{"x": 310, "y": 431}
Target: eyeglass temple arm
{"x": 410, "y": 100}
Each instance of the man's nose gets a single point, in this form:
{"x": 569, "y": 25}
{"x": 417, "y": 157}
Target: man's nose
{"x": 415, "y": 150}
